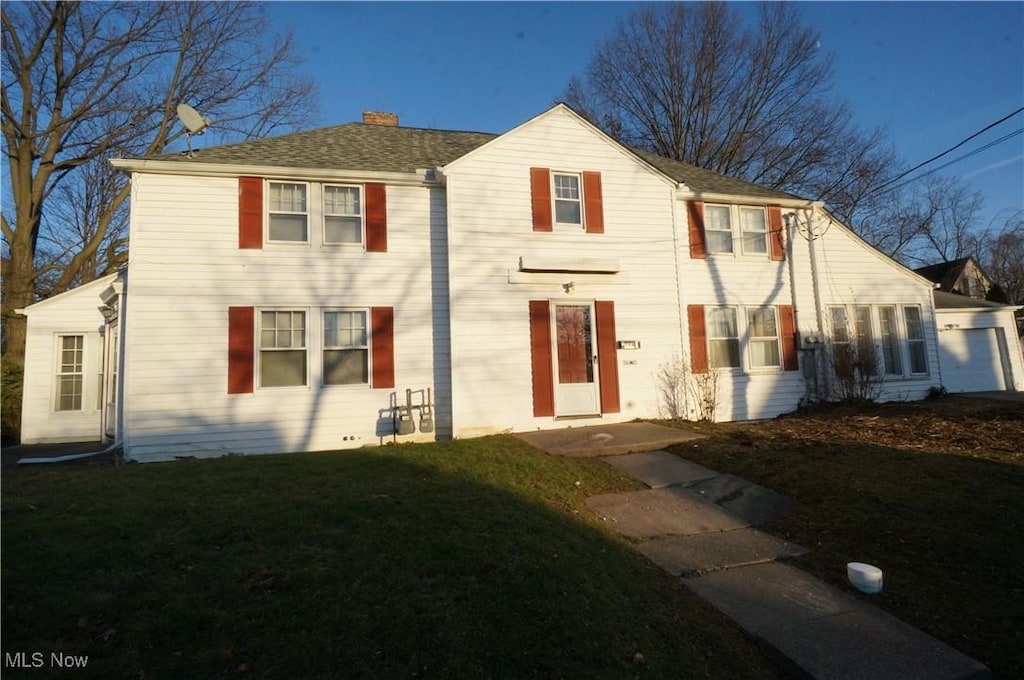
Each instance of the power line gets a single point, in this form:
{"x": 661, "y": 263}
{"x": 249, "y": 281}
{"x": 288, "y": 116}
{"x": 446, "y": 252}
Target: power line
{"x": 947, "y": 151}
{"x": 955, "y": 160}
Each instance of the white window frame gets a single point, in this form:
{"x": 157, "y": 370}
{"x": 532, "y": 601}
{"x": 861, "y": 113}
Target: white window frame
{"x": 730, "y": 231}
{"x": 260, "y": 349}
{"x": 744, "y": 232}
{"x": 60, "y": 373}
{"x": 708, "y": 326}
{"x": 325, "y": 215}
{"x": 909, "y": 340}
{"x": 555, "y": 199}
{"x": 324, "y": 347}
{"x": 897, "y": 341}
{"x": 752, "y": 339}
{"x": 267, "y": 212}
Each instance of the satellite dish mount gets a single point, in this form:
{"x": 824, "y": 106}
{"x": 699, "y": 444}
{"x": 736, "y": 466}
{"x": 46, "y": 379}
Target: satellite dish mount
{"x": 194, "y": 123}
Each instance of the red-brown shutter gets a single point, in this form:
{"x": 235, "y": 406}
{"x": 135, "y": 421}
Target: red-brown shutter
{"x": 593, "y": 203}
{"x": 788, "y": 337}
{"x": 540, "y": 197}
{"x": 778, "y": 247}
{"x": 382, "y": 347}
{"x": 698, "y": 242}
{"x": 250, "y": 212}
{"x": 607, "y": 356}
{"x": 241, "y": 349}
{"x": 376, "y": 218}
{"x": 698, "y": 339}
{"x": 540, "y": 356}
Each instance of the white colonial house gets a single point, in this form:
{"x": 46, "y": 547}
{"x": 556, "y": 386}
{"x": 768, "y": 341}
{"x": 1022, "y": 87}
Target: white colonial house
{"x": 368, "y": 283}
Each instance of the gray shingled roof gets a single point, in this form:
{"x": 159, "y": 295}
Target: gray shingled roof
{"x": 353, "y": 146}
{"x": 380, "y": 148}
{"x": 957, "y": 301}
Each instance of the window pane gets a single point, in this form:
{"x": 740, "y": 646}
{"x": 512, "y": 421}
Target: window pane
{"x": 567, "y": 212}
{"x": 567, "y": 186}
{"x": 346, "y": 366}
{"x": 69, "y": 393}
{"x": 914, "y": 328}
{"x": 762, "y": 323}
{"x": 755, "y": 233}
{"x": 341, "y": 201}
{"x": 343, "y": 230}
{"x": 918, "y": 360}
{"x": 288, "y": 228}
{"x": 890, "y": 338}
{"x": 722, "y": 322}
{"x": 840, "y": 332}
{"x": 862, "y": 319}
{"x": 716, "y": 217}
{"x": 764, "y": 353}
{"x": 724, "y": 353}
{"x": 719, "y": 241}
{"x": 287, "y": 197}
{"x": 345, "y": 329}
{"x": 282, "y": 368}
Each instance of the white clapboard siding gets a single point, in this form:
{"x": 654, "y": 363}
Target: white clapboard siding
{"x": 490, "y": 228}
{"x": 75, "y": 312}
{"x": 850, "y": 272}
{"x": 186, "y": 270}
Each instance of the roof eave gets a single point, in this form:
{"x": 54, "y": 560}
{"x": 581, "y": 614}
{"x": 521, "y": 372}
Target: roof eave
{"x": 420, "y": 177}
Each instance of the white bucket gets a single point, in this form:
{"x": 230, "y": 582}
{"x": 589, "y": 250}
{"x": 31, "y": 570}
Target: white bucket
{"x": 865, "y": 577}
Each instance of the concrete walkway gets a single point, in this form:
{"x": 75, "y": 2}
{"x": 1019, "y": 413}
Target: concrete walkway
{"x": 697, "y": 525}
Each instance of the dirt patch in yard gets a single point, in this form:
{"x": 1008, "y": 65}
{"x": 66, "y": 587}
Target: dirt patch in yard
{"x": 979, "y": 428}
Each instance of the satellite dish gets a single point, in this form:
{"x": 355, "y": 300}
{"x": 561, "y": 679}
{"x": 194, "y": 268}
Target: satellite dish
{"x": 194, "y": 123}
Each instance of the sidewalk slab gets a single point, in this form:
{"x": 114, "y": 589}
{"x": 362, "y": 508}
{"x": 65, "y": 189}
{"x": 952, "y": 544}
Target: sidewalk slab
{"x": 754, "y": 503}
{"x": 661, "y": 512}
{"x": 702, "y": 553}
{"x": 827, "y": 633}
{"x": 659, "y": 469}
{"x": 594, "y": 441}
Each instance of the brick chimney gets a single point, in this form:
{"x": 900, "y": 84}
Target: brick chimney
{"x": 380, "y": 118}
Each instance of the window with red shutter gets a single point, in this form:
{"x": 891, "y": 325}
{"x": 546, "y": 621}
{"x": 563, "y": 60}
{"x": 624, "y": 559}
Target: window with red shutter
{"x": 698, "y": 339}
{"x": 777, "y": 245}
{"x": 250, "y": 212}
{"x": 382, "y": 343}
{"x": 593, "y": 203}
{"x": 698, "y": 241}
{"x": 241, "y": 350}
{"x": 376, "y": 218}
{"x": 540, "y": 358}
{"x": 789, "y": 338}
{"x": 607, "y": 356}
{"x": 540, "y": 198}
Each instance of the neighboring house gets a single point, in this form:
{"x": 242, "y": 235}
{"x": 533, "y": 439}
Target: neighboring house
{"x": 964, "y": 277}
{"x": 297, "y": 293}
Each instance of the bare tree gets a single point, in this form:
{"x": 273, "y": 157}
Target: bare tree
{"x": 1003, "y": 257}
{"x": 85, "y": 81}
{"x": 689, "y": 82}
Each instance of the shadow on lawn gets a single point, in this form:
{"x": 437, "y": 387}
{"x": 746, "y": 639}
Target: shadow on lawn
{"x": 359, "y": 564}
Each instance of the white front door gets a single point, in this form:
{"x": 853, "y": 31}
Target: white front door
{"x": 577, "y": 390}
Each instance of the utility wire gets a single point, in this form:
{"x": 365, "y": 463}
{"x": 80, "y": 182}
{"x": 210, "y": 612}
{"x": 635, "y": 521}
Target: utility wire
{"x": 946, "y": 165}
{"x": 947, "y": 151}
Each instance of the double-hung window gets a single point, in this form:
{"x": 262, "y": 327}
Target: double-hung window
{"x": 763, "y": 331}
{"x": 343, "y": 215}
{"x": 70, "y": 372}
{"x": 568, "y": 203}
{"x": 718, "y": 228}
{"x": 889, "y": 336}
{"x": 723, "y": 338}
{"x": 754, "y": 230}
{"x": 288, "y": 210}
{"x": 282, "y": 337}
{"x": 346, "y": 348}
{"x": 915, "y": 340}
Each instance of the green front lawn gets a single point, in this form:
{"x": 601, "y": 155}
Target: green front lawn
{"x": 470, "y": 559}
{"x": 930, "y": 492}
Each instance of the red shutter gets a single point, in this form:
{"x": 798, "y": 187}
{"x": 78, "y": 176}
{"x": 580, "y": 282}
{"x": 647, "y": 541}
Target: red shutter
{"x": 241, "y": 350}
{"x": 698, "y": 243}
{"x": 382, "y": 347}
{"x": 789, "y": 338}
{"x": 607, "y": 356}
{"x": 540, "y": 356}
{"x": 540, "y": 196}
{"x": 250, "y": 212}
{"x": 778, "y": 247}
{"x": 376, "y": 218}
{"x": 593, "y": 204}
{"x": 698, "y": 339}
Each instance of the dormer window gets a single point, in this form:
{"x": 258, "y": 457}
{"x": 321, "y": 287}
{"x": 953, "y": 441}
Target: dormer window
{"x": 568, "y": 208}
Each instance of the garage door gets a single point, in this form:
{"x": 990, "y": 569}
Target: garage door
{"x": 971, "y": 360}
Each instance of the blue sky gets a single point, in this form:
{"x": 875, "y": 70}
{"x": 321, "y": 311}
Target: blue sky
{"x": 932, "y": 73}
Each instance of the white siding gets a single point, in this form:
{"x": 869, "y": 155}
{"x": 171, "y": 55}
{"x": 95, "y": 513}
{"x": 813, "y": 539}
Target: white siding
{"x": 73, "y": 313}
{"x": 850, "y": 272}
{"x": 186, "y": 270}
{"x": 490, "y": 228}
